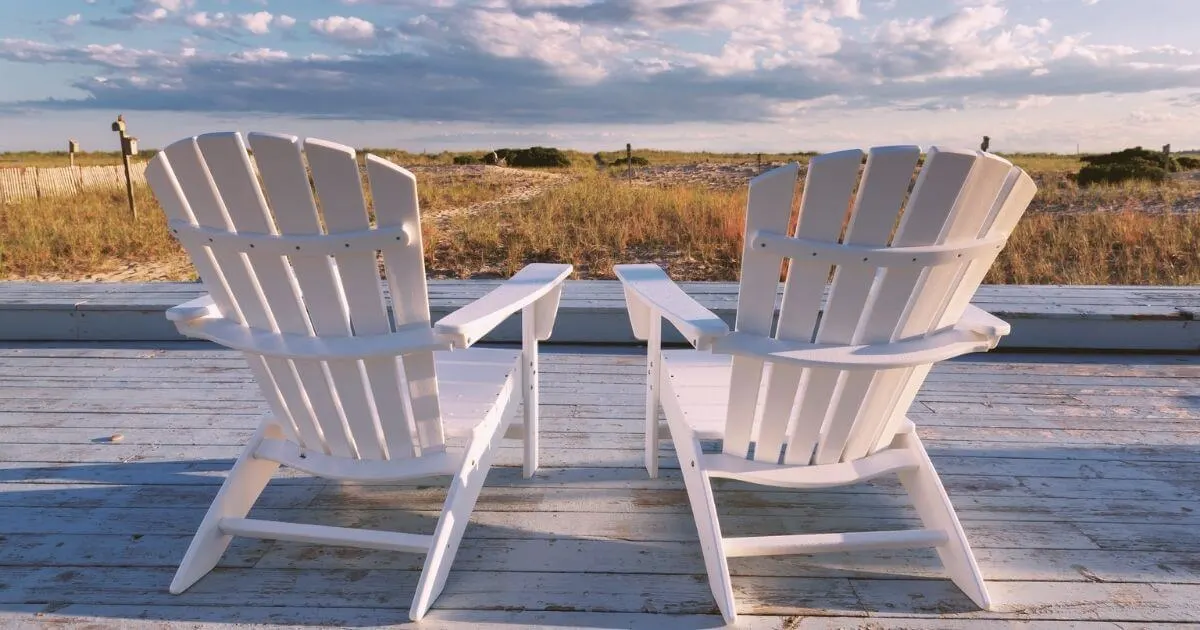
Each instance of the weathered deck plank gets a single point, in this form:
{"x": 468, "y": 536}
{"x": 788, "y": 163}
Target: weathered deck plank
{"x": 1077, "y": 479}
{"x": 593, "y": 311}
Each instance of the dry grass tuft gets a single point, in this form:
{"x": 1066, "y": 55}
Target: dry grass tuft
{"x": 47, "y": 159}
{"x": 696, "y": 234}
{"x": 596, "y": 222}
{"x": 86, "y": 234}
{"x": 1142, "y": 234}
{"x": 1102, "y": 248}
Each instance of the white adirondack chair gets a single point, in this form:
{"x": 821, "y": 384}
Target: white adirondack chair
{"x": 823, "y": 398}
{"x": 353, "y": 395}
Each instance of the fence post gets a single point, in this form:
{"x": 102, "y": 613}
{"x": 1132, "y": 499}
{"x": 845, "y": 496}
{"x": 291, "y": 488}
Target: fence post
{"x": 629, "y": 161}
{"x": 128, "y": 148}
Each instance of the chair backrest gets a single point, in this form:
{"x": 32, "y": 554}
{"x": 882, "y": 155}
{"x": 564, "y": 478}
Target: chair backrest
{"x": 313, "y": 271}
{"x": 961, "y": 200}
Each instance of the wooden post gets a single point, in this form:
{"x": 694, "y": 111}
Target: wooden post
{"x": 128, "y": 148}
{"x": 72, "y": 147}
{"x": 129, "y": 187}
{"x": 629, "y": 161}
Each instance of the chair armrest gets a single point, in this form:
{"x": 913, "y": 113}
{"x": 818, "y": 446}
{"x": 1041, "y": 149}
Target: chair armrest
{"x": 647, "y": 287}
{"x": 939, "y": 346}
{"x": 202, "y": 306}
{"x": 984, "y": 323}
{"x": 534, "y": 283}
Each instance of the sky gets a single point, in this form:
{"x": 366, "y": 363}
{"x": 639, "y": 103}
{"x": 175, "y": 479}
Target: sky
{"x": 719, "y": 75}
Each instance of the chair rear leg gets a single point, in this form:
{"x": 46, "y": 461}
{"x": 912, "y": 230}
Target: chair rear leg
{"x": 237, "y": 495}
{"x": 933, "y": 505}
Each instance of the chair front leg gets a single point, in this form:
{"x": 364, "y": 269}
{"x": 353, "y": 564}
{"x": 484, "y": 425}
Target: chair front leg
{"x": 653, "y": 374}
{"x": 456, "y": 513}
{"x": 529, "y": 380}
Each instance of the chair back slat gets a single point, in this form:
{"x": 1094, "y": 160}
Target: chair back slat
{"x": 961, "y": 203}
{"x": 395, "y": 194}
{"x": 339, "y": 186}
{"x": 227, "y": 160}
{"x": 209, "y": 211}
{"x": 924, "y": 221}
{"x": 1012, "y": 203}
{"x": 161, "y": 176}
{"x": 281, "y": 166}
{"x": 1016, "y": 194}
{"x": 969, "y": 221}
{"x": 886, "y": 178}
{"x": 769, "y": 207}
{"x": 355, "y": 408}
{"x": 828, "y": 187}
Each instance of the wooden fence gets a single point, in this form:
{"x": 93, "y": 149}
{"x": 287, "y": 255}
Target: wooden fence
{"x": 30, "y": 182}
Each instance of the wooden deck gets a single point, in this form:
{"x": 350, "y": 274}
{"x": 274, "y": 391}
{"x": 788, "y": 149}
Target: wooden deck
{"x": 1077, "y": 477}
{"x": 593, "y": 311}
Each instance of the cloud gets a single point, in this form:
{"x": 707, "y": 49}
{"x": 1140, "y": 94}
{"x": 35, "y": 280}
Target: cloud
{"x": 109, "y": 57}
{"x": 1034, "y": 101}
{"x": 617, "y": 61}
{"x": 71, "y": 20}
{"x": 204, "y": 19}
{"x": 259, "y": 55}
{"x": 142, "y": 12}
{"x": 345, "y": 30}
{"x": 969, "y": 42}
{"x": 259, "y": 23}
{"x": 545, "y": 38}
{"x": 842, "y": 8}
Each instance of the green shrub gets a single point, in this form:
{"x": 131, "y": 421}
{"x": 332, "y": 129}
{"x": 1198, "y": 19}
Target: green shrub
{"x": 1129, "y": 164}
{"x": 531, "y": 157}
{"x": 1188, "y": 163}
{"x": 466, "y": 159}
{"x": 1117, "y": 173}
{"x": 1129, "y": 156}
